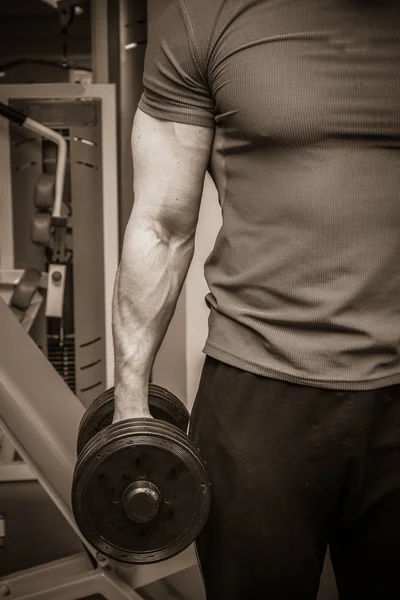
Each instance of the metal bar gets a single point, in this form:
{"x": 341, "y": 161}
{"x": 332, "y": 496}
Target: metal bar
{"x": 21, "y": 119}
{"x": 47, "y": 574}
{"x": 59, "y": 140}
{"x": 71, "y": 578}
{"x": 38, "y": 413}
{"x": 15, "y": 471}
{"x": 62, "y": 505}
{"x": 7, "y": 450}
{"x": 140, "y": 576}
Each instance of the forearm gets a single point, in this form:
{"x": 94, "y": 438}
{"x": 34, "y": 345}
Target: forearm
{"x": 150, "y": 277}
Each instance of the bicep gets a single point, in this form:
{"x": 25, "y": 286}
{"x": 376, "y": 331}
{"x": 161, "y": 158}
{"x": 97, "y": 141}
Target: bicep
{"x": 169, "y": 164}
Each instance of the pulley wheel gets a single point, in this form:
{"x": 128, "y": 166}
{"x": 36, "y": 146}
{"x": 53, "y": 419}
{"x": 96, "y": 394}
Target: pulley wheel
{"x": 41, "y": 228}
{"x": 141, "y": 492}
{"x": 162, "y": 403}
{"x": 44, "y": 191}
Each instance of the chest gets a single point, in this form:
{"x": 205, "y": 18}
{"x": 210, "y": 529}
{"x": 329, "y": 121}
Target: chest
{"x": 295, "y": 71}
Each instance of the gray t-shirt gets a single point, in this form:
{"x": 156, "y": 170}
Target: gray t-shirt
{"x": 304, "y": 96}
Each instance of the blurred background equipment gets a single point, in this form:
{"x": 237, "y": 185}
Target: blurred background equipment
{"x": 70, "y": 246}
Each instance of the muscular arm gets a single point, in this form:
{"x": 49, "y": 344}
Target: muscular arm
{"x": 170, "y": 161}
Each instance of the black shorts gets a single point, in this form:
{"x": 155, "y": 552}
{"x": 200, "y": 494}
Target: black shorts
{"x": 294, "y": 469}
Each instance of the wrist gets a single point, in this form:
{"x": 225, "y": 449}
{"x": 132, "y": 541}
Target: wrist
{"x": 131, "y": 412}
{"x": 131, "y": 400}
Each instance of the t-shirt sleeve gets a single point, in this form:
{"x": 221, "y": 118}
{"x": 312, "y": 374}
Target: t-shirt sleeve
{"x": 175, "y": 85}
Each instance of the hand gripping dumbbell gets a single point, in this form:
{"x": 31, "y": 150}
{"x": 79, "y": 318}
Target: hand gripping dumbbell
{"x": 141, "y": 491}
{"x": 163, "y": 405}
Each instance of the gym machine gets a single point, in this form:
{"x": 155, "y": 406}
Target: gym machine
{"x": 58, "y": 230}
{"x": 79, "y": 345}
{"x": 40, "y": 414}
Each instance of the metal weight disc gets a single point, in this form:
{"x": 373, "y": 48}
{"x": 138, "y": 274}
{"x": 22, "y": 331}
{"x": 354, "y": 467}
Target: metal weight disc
{"x": 132, "y": 463}
{"x": 163, "y": 405}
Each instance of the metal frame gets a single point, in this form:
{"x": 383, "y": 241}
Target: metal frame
{"x": 40, "y": 416}
{"x": 11, "y": 469}
{"x": 38, "y": 412}
{"x": 70, "y": 578}
{"x": 49, "y": 134}
{"x": 75, "y": 577}
{"x": 106, "y": 93}
{"x": 10, "y": 278}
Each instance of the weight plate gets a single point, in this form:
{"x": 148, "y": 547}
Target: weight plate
{"x": 120, "y": 459}
{"x": 162, "y": 403}
{"x": 145, "y": 426}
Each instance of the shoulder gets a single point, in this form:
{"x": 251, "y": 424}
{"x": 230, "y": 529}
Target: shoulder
{"x": 205, "y": 19}
{"x": 205, "y": 14}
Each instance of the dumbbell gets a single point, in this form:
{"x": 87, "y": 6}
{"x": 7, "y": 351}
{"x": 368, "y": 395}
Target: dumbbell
{"x": 163, "y": 405}
{"x": 141, "y": 491}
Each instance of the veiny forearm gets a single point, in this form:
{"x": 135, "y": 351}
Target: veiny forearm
{"x": 150, "y": 277}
